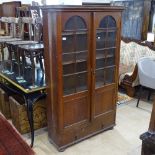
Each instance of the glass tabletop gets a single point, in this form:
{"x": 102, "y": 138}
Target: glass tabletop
{"x": 22, "y": 42}
{"x": 25, "y": 84}
{"x": 32, "y": 46}
{"x": 2, "y": 40}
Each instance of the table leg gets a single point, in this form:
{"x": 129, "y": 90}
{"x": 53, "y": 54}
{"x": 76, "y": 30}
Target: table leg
{"x": 30, "y": 118}
{"x": 30, "y": 101}
{"x": 33, "y": 68}
{"x": 41, "y": 62}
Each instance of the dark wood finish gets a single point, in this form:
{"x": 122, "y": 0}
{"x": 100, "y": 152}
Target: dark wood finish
{"x": 81, "y": 70}
{"x": 151, "y": 26}
{"x": 0, "y": 10}
{"x": 146, "y": 19}
{"x": 0, "y": 16}
{"x": 152, "y": 120}
{"x": 9, "y": 8}
{"x": 148, "y": 138}
{"x": 128, "y": 81}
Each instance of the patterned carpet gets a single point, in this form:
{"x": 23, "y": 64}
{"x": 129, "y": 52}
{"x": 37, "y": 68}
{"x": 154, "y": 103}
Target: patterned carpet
{"x": 123, "y": 98}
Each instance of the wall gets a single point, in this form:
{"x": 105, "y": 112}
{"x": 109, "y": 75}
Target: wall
{"x": 132, "y": 19}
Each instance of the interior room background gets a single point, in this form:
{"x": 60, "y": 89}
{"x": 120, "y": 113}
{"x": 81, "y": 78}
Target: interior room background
{"x": 135, "y": 20}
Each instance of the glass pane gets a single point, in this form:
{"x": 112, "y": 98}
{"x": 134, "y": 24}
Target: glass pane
{"x": 81, "y": 56}
{"x": 108, "y": 22}
{"x": 81, "y": 42}
{"x": 100, "y": 54}
{"x": 81, "y": 66}
{"x": 80, "y": 23}
{"x": 68, "y": 43}
{"x": 68, "y": 58}
{"x": 100, "y": 63}
{"x": 109, "y": 75}
{"x": 70, "y": 24}
{"x": 75, "y": 22}
{"x": 75, "y": 53}
{"x": 100, "y": 58}
{"x": 69, "y": 84}
{"x": 110, "y": 57}
{"x": 111, "y": 39}
{"x": 69, "y": 69}
{"x": 81, "y": 82}
{"x": 100, "y": 39}
{"x": 104, "y": 22}
{"x": 111, "y": 22}
{"x": 99, "y": 78}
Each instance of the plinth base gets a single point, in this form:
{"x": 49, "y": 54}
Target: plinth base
{"x": 148, "y": 143}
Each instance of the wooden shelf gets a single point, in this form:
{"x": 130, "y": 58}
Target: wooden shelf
{"x": 72, "y": 33}
{"x": 74, "y": 62}
{"x": 105, "y": 67}
{"x": 98, "y": 30}
{"x": 66, "y": 53}
{"x": 106, "y": 48}
{"x": 73, "y": 91}
{"x": 103, "y": 83}
{"x": 82, "y": 60}
{"x": 65, "y": 75}
{"x": 100, "y": 56}
{"x": 75, "y": 30}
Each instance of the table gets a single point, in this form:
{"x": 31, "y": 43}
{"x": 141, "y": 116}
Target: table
{"x": 10, "y": 84}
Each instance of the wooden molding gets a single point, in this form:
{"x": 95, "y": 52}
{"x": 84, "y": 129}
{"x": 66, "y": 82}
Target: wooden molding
{"x": 152, "y": 120}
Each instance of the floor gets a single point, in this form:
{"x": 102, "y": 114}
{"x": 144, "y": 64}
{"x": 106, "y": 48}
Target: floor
{"x": 122, "y": 140}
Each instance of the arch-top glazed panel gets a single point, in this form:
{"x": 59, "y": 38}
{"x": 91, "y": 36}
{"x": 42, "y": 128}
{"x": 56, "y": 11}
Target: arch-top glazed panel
{"x": 75, "y": 23}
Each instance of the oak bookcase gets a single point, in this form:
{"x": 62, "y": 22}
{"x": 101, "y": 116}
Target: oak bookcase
{"x": 82, "y": 45}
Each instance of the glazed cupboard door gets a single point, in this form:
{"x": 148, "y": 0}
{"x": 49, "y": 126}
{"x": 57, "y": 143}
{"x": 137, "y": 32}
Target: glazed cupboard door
{"x": 75, "y": 68}
{"x": 105, "y": 61}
